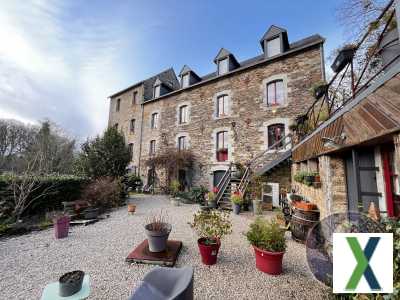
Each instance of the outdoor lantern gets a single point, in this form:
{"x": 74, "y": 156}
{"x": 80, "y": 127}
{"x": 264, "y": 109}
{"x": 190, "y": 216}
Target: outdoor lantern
{"x": 343, "y": 58}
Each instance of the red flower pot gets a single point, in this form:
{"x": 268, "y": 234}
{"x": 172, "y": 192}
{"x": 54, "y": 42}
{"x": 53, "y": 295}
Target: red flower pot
{"x": 61, "y": 227}
{"x": 268, "y": 262}
{"x": 208, "y": 252}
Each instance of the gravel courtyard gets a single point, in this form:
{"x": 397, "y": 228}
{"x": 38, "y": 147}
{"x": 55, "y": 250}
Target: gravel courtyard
{"x": 29, "y": 262}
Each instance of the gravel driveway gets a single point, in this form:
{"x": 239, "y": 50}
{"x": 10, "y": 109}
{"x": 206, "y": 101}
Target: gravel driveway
{"x": 29, "y": 262}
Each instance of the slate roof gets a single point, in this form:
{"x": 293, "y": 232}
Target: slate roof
{"x": 272, "y": 32}
{"x": 169, "y": 79}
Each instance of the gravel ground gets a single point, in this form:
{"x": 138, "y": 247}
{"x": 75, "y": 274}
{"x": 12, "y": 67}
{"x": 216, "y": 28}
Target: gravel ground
{"x": 29, "y": 262}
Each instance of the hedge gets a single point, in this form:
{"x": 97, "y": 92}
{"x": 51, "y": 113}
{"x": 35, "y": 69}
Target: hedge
{"x": 65, "y": 188}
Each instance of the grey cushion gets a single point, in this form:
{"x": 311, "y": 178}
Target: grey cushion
{"x": 166, "y": 284}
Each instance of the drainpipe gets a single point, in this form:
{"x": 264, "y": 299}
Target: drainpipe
{"x": 141, "y": 132}
{"x": 397, "y": 13}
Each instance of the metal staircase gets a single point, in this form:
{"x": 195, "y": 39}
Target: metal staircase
{"x": 261, "y": 164}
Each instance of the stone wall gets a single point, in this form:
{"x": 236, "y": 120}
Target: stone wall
{"x": 331, "y": 197}
{"x": 246, "y": 123}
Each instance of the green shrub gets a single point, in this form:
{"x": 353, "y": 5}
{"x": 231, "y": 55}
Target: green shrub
{"x": 174, "y": 187}
{"x": 237, "y": 198}
{"x": 211, "y": 225}
{"x": 197, "y": 194}
{"x": 134, "y": 182}
{"x": 103, "y": 193}
{"x": 63, "y": 188}
{"x": 266, "y": 235}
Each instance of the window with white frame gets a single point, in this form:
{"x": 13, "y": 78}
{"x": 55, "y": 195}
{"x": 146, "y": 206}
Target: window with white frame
{"x": 275, "y": 93}
{"x": 118, "y": 105}
{"x": 223, "y": 66}
{"x": 275, "y": 134}
{"x": 157, "y": 89}
{"x": 274, "y": 47}
{"x": 222, "y": 146}
{"x": 132, "y": 126}
{"x": 182, "y": 144}
{"x": 222, "y": 105}
{"x": 152, "y": 149}
{"x": 154, "y": 121}
{"x": 183, "y": 114}
{"x": 185, "y": 80}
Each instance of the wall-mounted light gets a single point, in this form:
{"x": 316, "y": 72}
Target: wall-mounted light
{"x": 334, "y": 142}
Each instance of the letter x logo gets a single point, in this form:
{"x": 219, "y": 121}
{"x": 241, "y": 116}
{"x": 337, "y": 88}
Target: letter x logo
{"x": 363, "y": 267}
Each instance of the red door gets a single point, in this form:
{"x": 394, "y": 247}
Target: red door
{"x": 392, "y": 200}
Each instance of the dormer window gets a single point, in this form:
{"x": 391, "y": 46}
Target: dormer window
{"x": 274, "y": 47}
{"x": 185, "y": 80}
{"x": 223, "y": 66}
{"x": 157, "y": 90}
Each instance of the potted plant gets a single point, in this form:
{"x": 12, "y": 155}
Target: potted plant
{"x": 61, "y": 225}
{"x": 70, "y": 283}
{"x": 319, "y": 89}
{"x": 237, "y": 200}
{"x": 131, "y": 208}
{"x": 211, "y": 198}
{"x": 268, "y": 241}
{"x": 344, "y": 57}
{"x": 174, "y": 188}
{"x": 308, "y": 179}
{"x": 157, "y": 230}
{"x": 210, "y": 226}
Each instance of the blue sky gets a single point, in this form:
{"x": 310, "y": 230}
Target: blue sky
{"x": 61, "y": 59}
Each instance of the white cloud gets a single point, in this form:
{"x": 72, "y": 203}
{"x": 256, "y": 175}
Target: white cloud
{"x": 56, "y": 65}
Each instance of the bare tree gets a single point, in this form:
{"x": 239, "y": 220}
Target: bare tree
{"x": 27, "y": 188}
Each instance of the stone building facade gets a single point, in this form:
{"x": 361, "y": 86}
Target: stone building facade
{"x": 224, "y": 117}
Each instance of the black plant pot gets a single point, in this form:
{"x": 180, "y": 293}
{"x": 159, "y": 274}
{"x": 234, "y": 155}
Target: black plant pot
{"x": 344, "y": 57}
{"x": 320, "y": 91}
{"x": 71, "y": 283}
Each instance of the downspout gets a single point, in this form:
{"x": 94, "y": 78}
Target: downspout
{"x": 322, "y": 62}
{"x": 141, "y": 132}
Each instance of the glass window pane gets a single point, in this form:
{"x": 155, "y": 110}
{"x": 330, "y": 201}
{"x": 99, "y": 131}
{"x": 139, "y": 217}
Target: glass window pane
{"x": 223, "y": 66}
{"x": 185, "y": 80}
{"x": 274, "y": 47}
{"x": 157, "y": 91}
{"x": 279, "y": 92}
{"x": 271, "y": 93}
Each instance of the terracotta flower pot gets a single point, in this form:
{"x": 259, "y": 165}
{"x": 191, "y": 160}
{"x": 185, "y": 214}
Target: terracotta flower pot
{"x": 131, "y": 208}
{"x": 208, "y": 253}
{"x": 61, "y": 227}
{"x": 268, "y": 262}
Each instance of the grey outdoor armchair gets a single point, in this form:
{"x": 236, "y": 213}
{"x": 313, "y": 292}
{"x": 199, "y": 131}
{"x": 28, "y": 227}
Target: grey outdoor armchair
{"x": 166, "y": 284}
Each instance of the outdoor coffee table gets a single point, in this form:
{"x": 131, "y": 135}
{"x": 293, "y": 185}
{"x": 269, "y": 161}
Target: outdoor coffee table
{"x": 51, "y": 290}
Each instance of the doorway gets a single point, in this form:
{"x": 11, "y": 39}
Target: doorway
{"x": 361, "y": 181}
{"x": 218, "y": 176}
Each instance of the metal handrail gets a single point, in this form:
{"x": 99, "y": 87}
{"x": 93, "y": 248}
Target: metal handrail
{"x": 221, "y": 186}
{"x": 244, "y": 181}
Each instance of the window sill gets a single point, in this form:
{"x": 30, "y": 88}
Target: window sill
{"x": 221, "y": 117}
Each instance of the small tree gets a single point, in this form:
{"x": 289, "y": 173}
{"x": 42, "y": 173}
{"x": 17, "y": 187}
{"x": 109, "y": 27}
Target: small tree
{"x": 105, "y": 156}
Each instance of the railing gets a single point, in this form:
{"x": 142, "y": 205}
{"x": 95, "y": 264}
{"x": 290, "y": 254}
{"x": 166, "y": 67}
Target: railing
{"x": 271, "y": 153}
{"x": 363, "y": 68}
{"x": 223, "y": 183}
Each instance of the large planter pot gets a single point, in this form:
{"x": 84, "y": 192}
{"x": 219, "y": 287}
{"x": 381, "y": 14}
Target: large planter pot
{"x": 208, "y": 253}
{"x": 236, "y": 208}
{"x": 212, "y": 204}
{"x": 268, "y": 262}
{"x": 158, "y": 239}
{"x": 131, "y": 208}
{"x": 257, "y": 209}
{"x": 175, "y": 201}
{"x": 70, "y": 283}
{"x": 61, "y": 227}
{"x": 91, "y": 213}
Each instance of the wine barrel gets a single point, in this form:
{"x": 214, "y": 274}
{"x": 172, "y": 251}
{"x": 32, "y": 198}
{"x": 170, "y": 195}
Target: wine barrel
{"x": 302, "y": 221}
